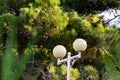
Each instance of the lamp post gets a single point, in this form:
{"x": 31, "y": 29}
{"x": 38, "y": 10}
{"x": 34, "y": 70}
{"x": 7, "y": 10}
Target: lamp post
{"x": 59, "y": 52}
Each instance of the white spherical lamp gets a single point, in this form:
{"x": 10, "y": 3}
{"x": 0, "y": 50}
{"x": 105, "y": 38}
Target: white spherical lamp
{"x": 59, "y": 51}
{"x": 79, "y": 44}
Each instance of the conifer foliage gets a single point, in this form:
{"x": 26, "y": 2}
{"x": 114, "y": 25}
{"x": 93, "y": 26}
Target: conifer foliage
{"x": 29, "y": 29}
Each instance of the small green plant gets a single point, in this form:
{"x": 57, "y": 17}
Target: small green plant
{"x": 60, "y": 72}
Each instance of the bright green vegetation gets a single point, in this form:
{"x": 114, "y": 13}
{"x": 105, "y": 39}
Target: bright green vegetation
{"x": 29, "y": 29}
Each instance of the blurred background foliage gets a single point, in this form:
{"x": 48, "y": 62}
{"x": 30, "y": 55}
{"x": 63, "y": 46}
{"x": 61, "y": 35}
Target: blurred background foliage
{"x": 29, "y": 29}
